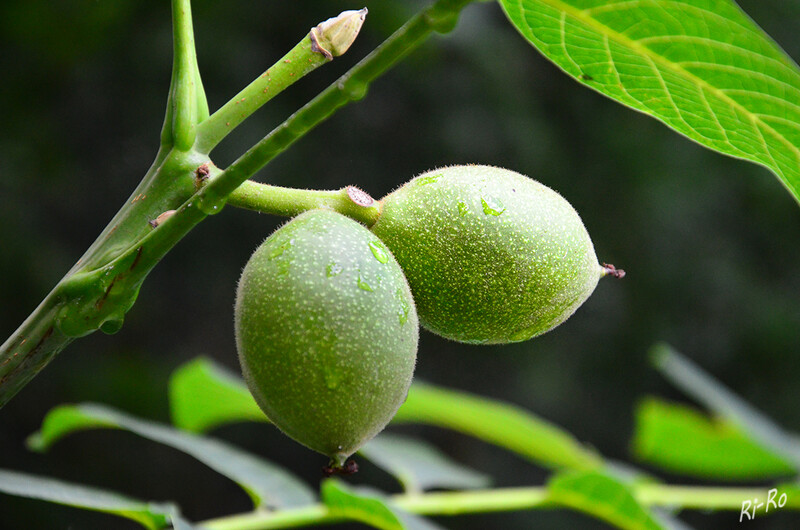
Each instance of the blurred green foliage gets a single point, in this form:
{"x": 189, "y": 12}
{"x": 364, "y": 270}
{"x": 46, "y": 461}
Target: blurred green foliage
{"x": 709, "y": 243}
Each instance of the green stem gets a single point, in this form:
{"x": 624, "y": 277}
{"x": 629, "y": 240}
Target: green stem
{"x": 352, "y": 86}
{"x": 31, "y": 347}
{"x": 705, "y": 498}
{"x": 262, "y": 89}
{"x": 499, "y": 500}
{"x": 349, "y": 201}
{"x": 103, "y": 285}
{"x": 98, "y": 291}
{"x": 313, "y": 515}
{"x": 87, "y": 298}
{"x": 463, "y": 502}
{"x": 183, "y": 104}
{"x": 326, "y": 41}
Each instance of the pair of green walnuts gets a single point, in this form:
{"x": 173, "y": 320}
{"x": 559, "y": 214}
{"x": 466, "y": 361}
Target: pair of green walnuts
{"x": 328, "y": 311}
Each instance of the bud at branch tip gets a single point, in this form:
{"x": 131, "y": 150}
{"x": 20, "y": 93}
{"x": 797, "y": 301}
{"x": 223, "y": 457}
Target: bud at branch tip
{"x": 334, "y": 36}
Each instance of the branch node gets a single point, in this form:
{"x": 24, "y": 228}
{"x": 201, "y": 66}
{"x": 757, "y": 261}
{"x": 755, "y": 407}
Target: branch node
{"x": 359, "y": 197}
{"x": 201, "y": 175}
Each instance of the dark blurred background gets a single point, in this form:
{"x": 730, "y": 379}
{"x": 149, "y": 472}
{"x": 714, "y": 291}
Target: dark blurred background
{"x": 710, "y": 243}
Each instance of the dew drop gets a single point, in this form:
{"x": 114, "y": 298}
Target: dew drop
{"x": 333, "y": 269}
{"x": 428, "y": 179}
{"x": 210, "y": 203}
{"x": 524, "y": 334}
{"x": 354, "y": 90}
{"x": 111, "y": 326}
{"x": 462, "y": 209}
{"x": 442, "y": 21}
{"x": 280, "y": 249}
{"x": 492, "y": 206}
{"x": 364, "y": 285}
{"x": 403, "y": 314}
{"x": 379, "y": 251}
{"x": 283, "y": 268}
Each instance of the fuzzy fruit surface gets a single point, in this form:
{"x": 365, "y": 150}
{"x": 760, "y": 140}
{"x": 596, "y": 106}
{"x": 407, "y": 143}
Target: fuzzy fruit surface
{"x": 326, "y": 331}
{"x": 492, "y": 256}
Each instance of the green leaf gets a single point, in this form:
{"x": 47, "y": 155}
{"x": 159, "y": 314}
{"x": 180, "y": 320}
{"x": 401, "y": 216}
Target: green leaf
{"x": 369, "y": 508}
{"x": 702, "y": 67}
{"x": 420, "y": 466}
{"x": 204, "y": 395}
{"x": 601, "y": 496}
{"x": 35, "y": 487}
{"x": 491, "y": 421}
{"x": 689, "y": 378}
{"x": 682, "y": 440}
{"x": 792, "y": 491}
{"x": 498, "y": 423}
{"x": 267, "y": 483}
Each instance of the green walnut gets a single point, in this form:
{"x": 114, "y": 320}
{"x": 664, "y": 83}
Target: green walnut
{"x": 327, "y": 332}
{"x": 491, "y": 256}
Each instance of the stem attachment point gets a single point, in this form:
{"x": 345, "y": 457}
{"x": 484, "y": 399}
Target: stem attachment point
{"x": 360, "y": 197}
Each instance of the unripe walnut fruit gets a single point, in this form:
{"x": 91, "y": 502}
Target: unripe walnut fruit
{"x": 492, "y": 256}
{"x": 326, "y": 331}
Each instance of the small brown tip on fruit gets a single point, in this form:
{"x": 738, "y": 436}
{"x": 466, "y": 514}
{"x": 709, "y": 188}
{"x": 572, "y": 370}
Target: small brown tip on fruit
{"x": 360, "y": 197}
{"x": 350, "y": 467}
{"x": 610, "y": 270}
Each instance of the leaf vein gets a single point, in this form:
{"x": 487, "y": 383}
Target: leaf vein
{"x": 563, "y": 35}
{"x": 625, "y": 41}
{"x": 739, "y": 70}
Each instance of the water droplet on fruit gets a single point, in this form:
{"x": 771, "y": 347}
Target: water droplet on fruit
{"x": 403, "y": 314}
{"x": 379, "y": 251}
{"x": 333, "y": 269}
{"x": 283, "y": 268}
{"x": 428, "y": 179}
{"x": 280, "y": 249}
{"x": 462, "y": 209}
{"x": 523, "y": 334}
{"x": 492, "y": 206}
{"x": 364, "y": 285}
